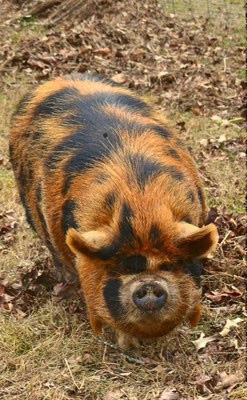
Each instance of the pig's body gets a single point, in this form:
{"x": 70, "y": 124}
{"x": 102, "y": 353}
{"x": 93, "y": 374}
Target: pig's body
{"x": 99, "y": 170}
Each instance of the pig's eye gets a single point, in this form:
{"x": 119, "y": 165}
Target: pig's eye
{"x": 167, "y": 267}
{"x": 134, "y": 264}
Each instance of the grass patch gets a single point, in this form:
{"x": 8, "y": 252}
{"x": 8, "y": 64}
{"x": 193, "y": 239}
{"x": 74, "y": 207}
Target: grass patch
{"x": 6, "y": 180}
{"x": 62, "y": 360}
{"x": 230, "y": 12}
{"x": 219, "y": 154}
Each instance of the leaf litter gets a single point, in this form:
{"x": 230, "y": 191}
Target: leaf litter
{"x": 138, "y": 44}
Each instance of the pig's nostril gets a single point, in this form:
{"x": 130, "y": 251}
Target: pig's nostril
{"x": 158, "y": 293}
{"x": 141, "y": 293}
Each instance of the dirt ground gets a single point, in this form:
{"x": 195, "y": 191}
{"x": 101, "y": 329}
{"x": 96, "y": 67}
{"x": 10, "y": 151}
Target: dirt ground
{"x": 193, "y": 71}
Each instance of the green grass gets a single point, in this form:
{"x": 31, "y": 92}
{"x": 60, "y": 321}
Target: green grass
{"x": 218, "y": 11}
{"x": 225, "y": 169}
{"x": 6, "y": 179}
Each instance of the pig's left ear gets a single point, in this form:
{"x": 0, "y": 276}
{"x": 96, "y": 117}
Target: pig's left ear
{"x": 197, "y": 242}
{"x": 86, "y": 243}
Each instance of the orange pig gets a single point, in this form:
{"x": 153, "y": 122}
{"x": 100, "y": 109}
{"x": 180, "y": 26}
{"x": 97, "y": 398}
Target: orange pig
{"x": 116, "y": 197}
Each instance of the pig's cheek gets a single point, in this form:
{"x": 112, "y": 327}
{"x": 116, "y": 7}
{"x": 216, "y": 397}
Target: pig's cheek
{"x": 92, "y": 283}
{"x": 112, "y": 298}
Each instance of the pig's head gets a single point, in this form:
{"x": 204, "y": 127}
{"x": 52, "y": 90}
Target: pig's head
{"x": 142, "y": 281}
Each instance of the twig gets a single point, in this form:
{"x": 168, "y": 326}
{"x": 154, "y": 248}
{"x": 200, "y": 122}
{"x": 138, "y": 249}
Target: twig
{"x": 63, "y": 7}
{"x": 115, "y": 347}
{"x": 69, "y": 11}
{"x": 240, "y": 278}
{"x": 237, "y": 277}
{"x": 43, "y": 7}
{"x": 224, "y": 61}
{"x": 74, "y": 382}
{"x": 6, "y": 62}
{"x": 224, "y": 239}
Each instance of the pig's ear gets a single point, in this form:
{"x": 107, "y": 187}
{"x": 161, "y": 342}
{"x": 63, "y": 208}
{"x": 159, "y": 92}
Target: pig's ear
{"x": 86, "y": 243}
{"x": 197, "y": 242}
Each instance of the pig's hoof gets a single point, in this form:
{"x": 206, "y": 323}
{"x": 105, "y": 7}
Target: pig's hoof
{"x": 125, "y": 341}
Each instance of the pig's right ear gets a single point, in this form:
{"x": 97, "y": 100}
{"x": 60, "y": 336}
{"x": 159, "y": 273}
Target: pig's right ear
{"x": 86, "y": 243}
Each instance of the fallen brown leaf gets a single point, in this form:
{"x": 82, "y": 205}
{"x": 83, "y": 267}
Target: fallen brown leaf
{"x": 228, "y": 381}
{"x": 119, "y": 78}
{"x": 170, "y": 394}
{"x": 113, "y": 395}
{"x": 226, "y": 294}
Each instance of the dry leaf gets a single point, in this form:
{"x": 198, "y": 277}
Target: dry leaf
{"x": 229, "y": 325}
{"x": 227, "y": 381}
{"x": 113, "y": 395}
{"x": 119, "y": 78}
{"x": 222, "y": 139}
{"x": 104, "y": 51}
{"x": 202, "y": 341}
{"x": 216, "y": 118}
{"x": 226, "y": 293}
{"x": 87, "y": 358}
{"x": 205, "y": 384}
{"x": 171, "y": 394}
{"x": 196, "y": 110}
{"x": 204, "y": 142}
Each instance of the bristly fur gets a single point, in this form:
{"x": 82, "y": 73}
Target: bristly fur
{"x": 88, "y": 154}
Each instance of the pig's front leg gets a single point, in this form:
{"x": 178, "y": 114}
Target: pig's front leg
{"x": 125, "y": 341}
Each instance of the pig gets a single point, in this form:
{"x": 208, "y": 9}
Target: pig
{"x": 113, "y": 193}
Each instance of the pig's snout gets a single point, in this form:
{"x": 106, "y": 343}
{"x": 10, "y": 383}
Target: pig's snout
{"x": 150, "y": 297}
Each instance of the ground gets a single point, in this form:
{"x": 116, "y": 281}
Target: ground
{"x": 192, "y": 71}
